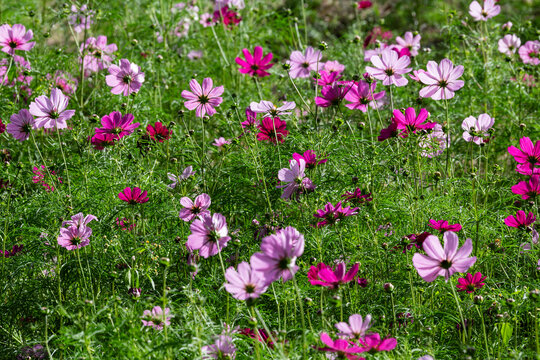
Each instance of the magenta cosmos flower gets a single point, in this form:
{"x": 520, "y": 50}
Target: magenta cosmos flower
{"x": 98, "y": 54}
{"x": 470, "y": 282}
{"x": 529, "y": 52}
{"x": 331, "y": 214}
{"x": 15, "y": 38}
{"x": 117, "y": 125}
{"x": 485, "y": 12}
{"x": 372, "y": 343}
{"x": 364, "y": 4}
{"x": 443, "y": 226}
{"x": 203, "y": 99}
{"x": 278, "y": 256}
{"x": 439, "y": 262}
{"x": 125, "y": 79}
{"x": 442, "y": 80}
{"x": 255, "y": 64}
{"x": 528, "y": 156}
{"x": 295, "y": 177}
{"x": 268, "y": 109}
{"x": 323, "y": 275}
{"x": 520, "y": 220}
{"x": 193, "y": 209}
{"x": 389, "y": 68}
{"x": 332, "y": 95}
{"x": 310, "y": 158}
{"x": 509, "y": 44}
{"x": 410, "y": 123}
{"x": 245, "y": 283}
{"x": 209, "y": 235}
{"x": 272, "y": 130}
{"x": 344, "y": 349}
{"x": 303, "y": 64}
{"x": 355, "y": 328}
{"x": 222, "y": 348}
{"x": 158, "y": 132}
{"x": 135, "y": 196}
{"x": 528, "y": 189}
{"x": 251, "y": 119}
{"x": 157, "y": 317}
{"x": 362, "y": 94}
{"x": 21, "y": 124}
{"x": 51, "y": 113}
{"x": 410, "y": 42}
{"x": 477, "y": 130}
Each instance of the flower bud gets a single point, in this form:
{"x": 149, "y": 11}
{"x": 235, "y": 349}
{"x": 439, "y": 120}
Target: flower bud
{"x": 388, "y": 287}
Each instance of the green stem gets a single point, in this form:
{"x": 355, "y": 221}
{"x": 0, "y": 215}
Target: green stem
{"x": 452, "y": 287}
{"x": 301, "y": 306}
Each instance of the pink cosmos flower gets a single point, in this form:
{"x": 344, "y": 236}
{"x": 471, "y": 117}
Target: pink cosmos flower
{"x": 272, "y": 130}
{"x": 21, "y": 124}
{"x": 209, "y": 235}
{"x": 278, "y": 256}
{"x": 294, "y": 177}
{"x": 270, "y": 110}
{"x": 357, "y": 197}
{"x": 222, "y": 348}
{"x": 310, "y": 159}
{"x": 326, "y": 78}
{"x": 507, "y": 26}
{"x": 251, "y": 119}
{"x": 443, "y": 226}
{"x": 64, "y": 81}
{"x": 125, "y": 79}
{"x": 157, "y": 317}
{"x": 529, "y": 52}
{"x": 485, "y": 12}
{"x": 356, "y": 328}
{"x": 195, "y": 54}
{"x": 477, "y": 130}
{"x": 303, "y": 64}
{"x": 528, "y": 189}
{"x": 74, "y": 237}
{"x": 238, "y": 4}
{"x": 221, "y": 142}
{"x": 323, "y": 275}
{"x": 188, "y": 172}
{"x": 441, "y": 80}
{"x": 332, "y": 67}
{"x": 203, "y": 99}
{"x": 509, "y": 44}
{"x": 410, "y": 41}
{"x": 368, "y": 54}
{"x": 389, "y": 68}
{"x": 15, "y": 38}
{"x": 332, "y": 95}
{"x": 98, "y": 54}
{"x": 117, "y": 125}
{"x": 81, "y": 19}
{"x": 528, "y": 155}
{"x": 439, "y": 262}
{"x": 255, "y": 64}
{"x": 246, "y": 283}
{"x": 181, "y": 29}
{"x": 207, "y": 20}
{"x": 51, "y": 113}
{"x": 135, "y": 196}
{"x": 79, "y": 220}
{"x": 22, "y": 67}
{"x": 332, "y": 214}
{"x": 364, "y": 4}
{"x": 471, "y": 282}
{"x": 520, "y": 220}
{"x": 372, "y": 343}
{"x": 410, "y": 123}
{"x": 261, "y": 336}
{"x": 363, "y": 94}
{"x": 193, "y": 209}
{"x": 344, "y": 349}
{"x": 227, "y": 16}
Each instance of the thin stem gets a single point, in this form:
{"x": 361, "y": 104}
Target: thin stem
{"x": 301, "y": 306}
{"x": 484, "y": 331}
{"x": 256, "y": 332}
{"x": 219, "y": 46}
{"x": 459, "y": 308}
{"x": 65, "y": 165}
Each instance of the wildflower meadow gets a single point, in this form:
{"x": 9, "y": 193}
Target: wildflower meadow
{"x": 269, "y": 179}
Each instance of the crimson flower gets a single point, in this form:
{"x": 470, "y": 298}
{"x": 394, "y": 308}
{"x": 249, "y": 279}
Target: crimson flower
{"x": 332, "y": 95}
{"x": 158, "y": 132}
{"x": 227, "y": 16}
{"x": 310, "y": 158}
{"x": 357, "y": 197}
{"x": 332, "y": 214}
{"x": 255, "y": 64}
{"x": 471, "y": 282}
{"x": 364, "y": 4}
{"x": 132, "y": 197}
{"x": 272, "y": 130}
{"x": 389, "y": 132}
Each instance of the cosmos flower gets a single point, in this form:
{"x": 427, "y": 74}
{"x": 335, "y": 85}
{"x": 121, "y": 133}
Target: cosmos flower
{"x": 245, "y": 283}
{"x": 485, "y": 12}
{"x": 102, "y": 140}
{"x": 15, "y": 38}
{"x": 409, "y": 123}
{"x": 294, "y": 177}
{"x": 158, "y": 132}
{"x": 268, "y": 109}
{"x": 188, "y": 172}
{"x": 471, "y": 282}
{"x": 193, "y": 209}
{"x": 221, "y": 142}
{"x": 332, "y": 214}
{"x": 529, "y": 52}
{"x": 477, "y": 130}
{"x": 207, "y": 20}
{"x": 51, "y": 113}
{"x": 81, "y": 19}
{"x": 303, "y": 64}
{"x": 520, "y": 220}
{"x": 331, "y": 67}
{"x": 442, "y": 80}
{"x": 357, "y": 197}
{"x": 98, "y": 54}
{"x": 255, "y": 64}
{"x": 323, "y": 275}
{"x": 443, "y": 226}
{"x": 272, "y": 129}
{"x": 509, "y": 44}
{"x": 310, "y": 159}
{"x": 227, "y": 16}
{"x": 528, "y": 155}
{"x": 157, "y": 317}
{"x": 344, "y": 349}
{"x": 355, "y": 328}
{"x": 79, "y": 220}
{"x": 332, "y": 95}
{"x": 251, "y": 119}
{"x": 364, "y": 4}
{"x": 372, "y": 343}
{"x": 74, "y": 237}
{"x": 389, "y": 68}
{"x": 410, "y": 42}
{"x": 389, "y": 132}
{"x": 135, "y": 196}
{"x": 21, "y": 124}
{"x": 434, "y": 142}
{"x": 528, "y": 189}
{"x": 209, "y": 235}
{"x": 222, "y": 348}
{"x": 362, "y": 94}
{"x": 203, "y": 99}
{"x": 125, "y": 79}
{"x": 117, "y": 125}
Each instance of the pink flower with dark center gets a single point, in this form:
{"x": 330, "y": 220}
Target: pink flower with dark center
{"x": 344, "y": 349}
{"x": 357, "y": 197}
{"x": 372, "y": 343}
{"x": 203, "y": 99}
{"x": 433, "y": 143}
{"x": 485, "y": 12}
{"x": 158, "y": 132}
{"x": 509, "y": 44}
{"x": 193, "y": 209}
{"x": 51, "y": 113}
{"x": 157, "y": 317}
{"x": 270, "y": 110}
{"x": 442, "y": 80}
{"x": 410, "y": 41}
{"x": 209, "y": 235}
{"x": 227, "y": 16}
{"x": 362, "y": 94}
{"x": 528, "y": 155}
{"x": 529, "y": 52}
{"x": 255, "y": 64}
{"x": 277, "y": 258}
{"x": 135, "y": 196}
{"x": 390, "y": 132}
{"x": 443, "y": 226}
{"x": 102, "y": 140}
{"x": 520, "y": 220}
{"x": 98, "y": 54}
{"x": 389, "y": 68}
{"x": 355, "y": 328}
{"x": 331, "y": 67}
{"x": 471, "y": 282}
{"x": 326, "y": 78}
{"x": 15, "y": 38}
{"x": 117, "y": 125}
{"x": 477, "y": 130}
{"x": 528, "y": 189}
{"x": 74, "y": 237}
{"x": 401, "y": 51}
{"x": 410, "y": 123}
{"x": 310, "y": 159}
{"x": 323, "y": 275}
{"x": 272, "y": 130}
{"x": 245, "y": 283}
{"x": 251, "y": 119}
{"x": 443, "y": 262}
{"x": 294, "y": 178}
{"x": 220, "y": 142}
{"x": 222, "y": 348}
{"x": 21, "y": 124}
{"x": 79, "y": 220}
{"x": 125, "y": 79}
{"x": 303, "y": 64}
{"x": 188, "y": 172}
{"x": 332, "y": 95}
{"x": 364, "y": 4}
{"x": 332, "y": 214}
{"x": 207, "y": 20}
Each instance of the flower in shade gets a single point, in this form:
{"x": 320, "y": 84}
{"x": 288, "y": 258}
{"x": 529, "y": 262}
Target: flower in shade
{"x": 158, "y": 132}
{"x": 295, "y": 177}
{"x": 323, "y": 275}
{"x": 51, "y": 113}
{"x": 193, "y": 209}
{"x": 98, "y": 54}
{"x": 521, "y": 220}
{"x": 227, "y": 16}
{"x": 15, "y": 38}
{"x": 372, "y": 343}
{"x": 442, "y": 80}
{"x": 272, "y": 129}
{"x": 221, "y": 142}
{"x": 102, "y": 140}
{"x": 471, "y": 282}
{"x": 81, "y": 19}
{"x": 355, "y": 328}
{"x": 509, "y": 44}
{"x": 484, "y": 12}
{"x": 477, "y": 130}
{"x": 125, "y": 79}
{"x": 2, "y": 127}
{"x": 528, "y": 156}
{"x": 357, "y": 197}
{"x": 64, "y": 81}
{"x": 188, "y": 172}
{"x": 310, "y": 158}
{"x": 344, "y": 349}
{"x": 255, "y": 64}
{"x": 157, "y": 317}
{"x": 135, "y": 196}
{"x": 251, "y": 119}
{"x": 209, "y": 234}
{"x": 364, "y": 4}
{"x": 410, "y": 42}
{"x": 261, "y": 336}
{"x": 529, "y": 52}
{"x": 277, "y": 258}
{"x": 528, "y": 189}
{"x": 331, "y": 214}
{"x": 74, "y": 237}
{"x": 410, "y": 123}
{"x": 362, "y": 94}
{"x": 332, "y": 95}
{"x": 268, "y": 109}
{"x": 443, "y": 226}
{"x": 416, "y": 240}
{"x": 389, "y": 132}
{"x": 443, "y": 262}
{"x": 222, "y": 348}
{"x": 30, "y": 353}
{"x": 245, "y": 283}
{"x": 22, "y": 71}
{"x": 21, "y": 124}
{"x": 303, "y": 64}
{"x": 203, "y": 99}
{"x": 117, "y": 125}
{"x": 434, "y": 143}
{"x": 389, "y": 68}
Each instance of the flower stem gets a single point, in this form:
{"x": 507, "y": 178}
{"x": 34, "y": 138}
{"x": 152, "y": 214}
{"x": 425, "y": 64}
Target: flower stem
{"x": 65, "y": 165}
{"x": 301, "y": 306}
{"x": 452, "y": 287}
{"x": 219, "y": 46}
{"x": 484, "y": 331}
